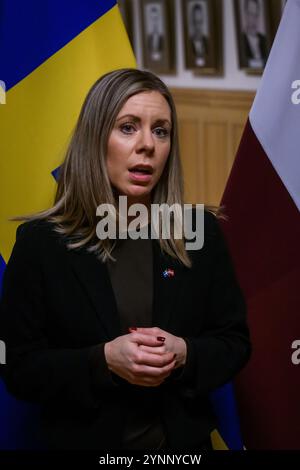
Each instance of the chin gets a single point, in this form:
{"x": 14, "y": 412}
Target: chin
{"x": 138, "y": 192}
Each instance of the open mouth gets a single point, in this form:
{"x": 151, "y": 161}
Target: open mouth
{"x": 141, "y": 174}
{"x": 140, "y": 171}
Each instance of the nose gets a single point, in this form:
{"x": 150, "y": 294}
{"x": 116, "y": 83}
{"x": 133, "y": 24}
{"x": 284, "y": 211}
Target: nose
{"x": 146, "y": 142}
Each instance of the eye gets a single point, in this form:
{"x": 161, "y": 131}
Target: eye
{"x": 161, "y": 132}
{"x": 127, "y": 128}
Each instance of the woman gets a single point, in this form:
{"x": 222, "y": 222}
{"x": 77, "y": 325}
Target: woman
{"x": 121, "y": 340}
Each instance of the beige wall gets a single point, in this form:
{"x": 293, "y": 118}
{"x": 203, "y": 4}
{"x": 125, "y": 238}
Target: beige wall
{"x": 210, "y": 128}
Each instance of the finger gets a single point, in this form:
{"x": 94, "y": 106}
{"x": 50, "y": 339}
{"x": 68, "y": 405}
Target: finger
{"x": 153, "y": 349}
{"x": 153, "y": 330}
{"x": 144, "y": 370}
{"x": 147, "y": 382}
{"x": 154, "y": 360}
{"x": 148, "y": 340}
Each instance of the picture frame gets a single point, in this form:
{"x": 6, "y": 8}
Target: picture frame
{"x": 126, "y": 10}
{"x": 157, "y": 20}
{"x": 283, "y": 3}
{"x": 254, "y": 34}
{"x": 277, "y": 7}
{"x": 203, "y": 32}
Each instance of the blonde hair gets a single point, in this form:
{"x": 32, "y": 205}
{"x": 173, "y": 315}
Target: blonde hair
{"x": 83, "y": 182}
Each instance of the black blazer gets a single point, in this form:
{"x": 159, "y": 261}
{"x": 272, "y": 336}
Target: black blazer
{"x": 58, "y": 305}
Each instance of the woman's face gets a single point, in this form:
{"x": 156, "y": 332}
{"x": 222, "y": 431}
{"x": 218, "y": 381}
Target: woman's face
{"x": 141, "y": 136}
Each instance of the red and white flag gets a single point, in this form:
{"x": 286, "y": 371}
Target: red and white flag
{"x": 262, "y": 202}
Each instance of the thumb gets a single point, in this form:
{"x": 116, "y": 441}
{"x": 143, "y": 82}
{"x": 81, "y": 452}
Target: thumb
{"x": 150, "y": 330}
{"x": 146, "y": 339}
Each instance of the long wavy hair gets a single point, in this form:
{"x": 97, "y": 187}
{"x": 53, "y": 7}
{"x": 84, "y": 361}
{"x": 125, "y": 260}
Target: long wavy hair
{"x": 83, "y": 182}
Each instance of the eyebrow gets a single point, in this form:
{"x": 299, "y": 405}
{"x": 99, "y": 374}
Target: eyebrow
{"x": 137, "y": 119}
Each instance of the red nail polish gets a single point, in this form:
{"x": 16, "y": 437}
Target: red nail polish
{"x": 161, "y": 338}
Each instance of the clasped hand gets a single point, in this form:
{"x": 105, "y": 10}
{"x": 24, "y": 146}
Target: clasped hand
{"x": 143, "y": 357}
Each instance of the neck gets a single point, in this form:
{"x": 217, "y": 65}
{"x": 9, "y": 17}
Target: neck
{"x": 130, "y": 200}
{"x": 146, "y": 201}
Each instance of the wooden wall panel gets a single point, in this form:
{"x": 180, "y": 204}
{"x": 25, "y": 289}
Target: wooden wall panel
{"x": 188, "y": 132}
{"x": 214, "y": 166}
{"x": 210, "y": 128}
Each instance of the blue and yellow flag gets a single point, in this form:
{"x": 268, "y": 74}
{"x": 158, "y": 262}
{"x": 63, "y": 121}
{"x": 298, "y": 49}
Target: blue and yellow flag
{"x": 51, "y": 53}
{"x": 228, "y": 435}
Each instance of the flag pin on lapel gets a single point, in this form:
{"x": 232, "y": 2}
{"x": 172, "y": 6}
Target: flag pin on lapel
{"x": 168, "y": 273}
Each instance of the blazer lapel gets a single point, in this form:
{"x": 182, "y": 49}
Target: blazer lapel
{"x": 94, "y": 277}
{"x": 165, "y": 289}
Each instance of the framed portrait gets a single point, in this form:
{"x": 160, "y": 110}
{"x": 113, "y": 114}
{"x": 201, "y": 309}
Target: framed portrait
{"x": 202, "y": 28}
{"x": 277, "y": 8}
{"x": 254, "y": 34}
{"x": 158, "y": 35}
{"x": 126, "y": 10}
